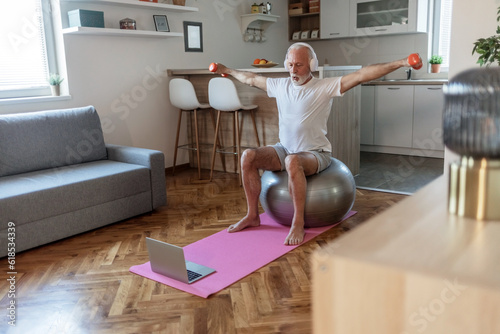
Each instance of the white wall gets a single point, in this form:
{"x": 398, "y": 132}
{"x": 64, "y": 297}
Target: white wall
{"x": 470, "y": 21}
{"x": 125, "y": 78}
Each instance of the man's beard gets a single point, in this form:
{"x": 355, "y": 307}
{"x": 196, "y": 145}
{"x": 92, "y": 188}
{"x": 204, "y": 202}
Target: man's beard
{"x": 298, "y": 80}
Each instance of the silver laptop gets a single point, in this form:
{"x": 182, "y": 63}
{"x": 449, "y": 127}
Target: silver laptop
{"x": 168, "y": 260}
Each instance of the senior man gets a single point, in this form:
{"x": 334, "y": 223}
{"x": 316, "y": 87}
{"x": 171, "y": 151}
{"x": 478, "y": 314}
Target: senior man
{"x": 304, "y": 104}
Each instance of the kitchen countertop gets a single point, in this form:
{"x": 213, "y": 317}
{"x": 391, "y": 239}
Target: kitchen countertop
{"x": 406, "y": 82}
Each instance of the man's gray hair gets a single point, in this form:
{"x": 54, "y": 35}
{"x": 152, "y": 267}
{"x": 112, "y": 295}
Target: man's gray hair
{"x": 301, "y": 45}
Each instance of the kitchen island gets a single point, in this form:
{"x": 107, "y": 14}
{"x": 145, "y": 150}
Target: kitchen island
{"x": 343, "y": 124}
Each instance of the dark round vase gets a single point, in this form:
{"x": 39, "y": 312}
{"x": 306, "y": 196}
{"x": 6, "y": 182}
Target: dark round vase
{"x": 471, "y": 120}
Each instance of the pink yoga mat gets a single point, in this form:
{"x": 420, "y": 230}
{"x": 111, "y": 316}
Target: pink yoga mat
{"x": 233, "y": 255}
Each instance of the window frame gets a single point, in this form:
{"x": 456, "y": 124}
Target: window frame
{"x": 52, "y": 59}
{"x": 435, "y": 38}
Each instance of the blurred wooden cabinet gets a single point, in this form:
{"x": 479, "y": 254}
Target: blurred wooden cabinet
{"x": 412, "y": 269}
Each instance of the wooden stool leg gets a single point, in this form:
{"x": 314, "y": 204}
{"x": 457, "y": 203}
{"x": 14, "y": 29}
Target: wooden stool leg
{"x": 177, "y": 139}
{"x": 223, "y": 161}
{"x": 235, "y": 140}
{"x": 255, "y": 128}
{"x": 238, "y": 148}
{"x": 241, "y": 120}
{"x": 214, "y": 151}
{"x": 197, "y": 142}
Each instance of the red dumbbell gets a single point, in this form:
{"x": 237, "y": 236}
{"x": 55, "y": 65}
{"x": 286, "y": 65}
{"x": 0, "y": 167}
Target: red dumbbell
{"x": 213, "y": 68}
{"x": 415, "y": 61}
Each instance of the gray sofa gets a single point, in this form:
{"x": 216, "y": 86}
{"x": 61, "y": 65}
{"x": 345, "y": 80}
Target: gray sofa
{"x": 58, "y": 178}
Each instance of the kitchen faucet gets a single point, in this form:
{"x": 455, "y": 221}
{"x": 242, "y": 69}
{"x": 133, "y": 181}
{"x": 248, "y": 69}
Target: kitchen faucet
{"x": 408, "y": 74}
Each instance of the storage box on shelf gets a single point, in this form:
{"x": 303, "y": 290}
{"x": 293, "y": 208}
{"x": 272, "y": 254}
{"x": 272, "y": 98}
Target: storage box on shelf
{"x": 313, "y": 6}
{"x": 295, "y": 8}
{"x": 86, "y": 18}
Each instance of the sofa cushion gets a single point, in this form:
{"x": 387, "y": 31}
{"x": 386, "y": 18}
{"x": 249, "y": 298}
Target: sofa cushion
{"x": 51, "y": 192}
{"x": 46, "y": 139}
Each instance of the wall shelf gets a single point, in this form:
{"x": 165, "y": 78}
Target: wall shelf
{"x": 119, "y": 32}
{"x": 257, "y": 21}
{"x": 137, "y": 3}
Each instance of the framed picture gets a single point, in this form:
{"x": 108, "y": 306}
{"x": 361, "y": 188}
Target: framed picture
{"x": 161, "y": 23}
{"x": 193, "y": 37}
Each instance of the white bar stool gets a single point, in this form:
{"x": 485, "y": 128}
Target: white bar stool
{"x": 183, "y": 96}
{"x": 223, "y": 97}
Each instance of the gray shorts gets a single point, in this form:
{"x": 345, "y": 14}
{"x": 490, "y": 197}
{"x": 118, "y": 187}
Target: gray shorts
{"x": 323, "y": 157}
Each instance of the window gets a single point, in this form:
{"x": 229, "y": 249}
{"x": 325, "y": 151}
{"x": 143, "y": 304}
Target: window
{"x": 28, "y": 50}
{"x": 441, "y": 30}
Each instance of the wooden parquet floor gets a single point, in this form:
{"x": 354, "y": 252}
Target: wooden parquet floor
{"x": 82, "y": 284}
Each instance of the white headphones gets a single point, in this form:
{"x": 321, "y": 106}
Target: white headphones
{"x": 313, "y": 65}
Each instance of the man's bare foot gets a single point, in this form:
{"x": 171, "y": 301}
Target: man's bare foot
{"x": 295, "y": 236}
{"x": 244, "y": 223}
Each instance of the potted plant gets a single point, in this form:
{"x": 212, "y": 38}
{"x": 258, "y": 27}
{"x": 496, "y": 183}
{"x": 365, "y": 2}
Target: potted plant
{"x": 435, "y": 62}
{"x": 55, "y": 82}
{"x": 488, "y": 48}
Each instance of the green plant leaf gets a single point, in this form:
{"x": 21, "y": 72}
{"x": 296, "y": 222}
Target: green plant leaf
{"x": 488, "y": 48}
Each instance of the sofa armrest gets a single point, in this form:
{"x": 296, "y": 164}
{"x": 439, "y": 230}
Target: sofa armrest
{"x": 154, "y": 160}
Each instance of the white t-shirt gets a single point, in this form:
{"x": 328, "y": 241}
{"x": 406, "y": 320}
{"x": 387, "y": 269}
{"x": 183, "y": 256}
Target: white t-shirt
{"x": 303, "y": 112}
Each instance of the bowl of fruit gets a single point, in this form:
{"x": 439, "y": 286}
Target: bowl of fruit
{"x": 263, "y": 63}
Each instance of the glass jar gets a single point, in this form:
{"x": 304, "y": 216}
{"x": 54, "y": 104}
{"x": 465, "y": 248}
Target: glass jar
{"x": 128, "y": 24}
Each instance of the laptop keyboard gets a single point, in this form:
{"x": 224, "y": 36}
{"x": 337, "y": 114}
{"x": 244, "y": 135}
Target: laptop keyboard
{"x": 192, "y": 275}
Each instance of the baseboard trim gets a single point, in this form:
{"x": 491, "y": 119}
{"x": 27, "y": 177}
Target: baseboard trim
{"x": 178, "y": 168}
{"x": 403, "y": 151}
{"x": 385, "y": 190}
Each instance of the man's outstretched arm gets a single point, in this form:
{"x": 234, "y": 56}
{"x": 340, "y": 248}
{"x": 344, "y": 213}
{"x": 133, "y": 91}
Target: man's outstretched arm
{"x": 248, "y": 78}
{"x": 370, "y": 72}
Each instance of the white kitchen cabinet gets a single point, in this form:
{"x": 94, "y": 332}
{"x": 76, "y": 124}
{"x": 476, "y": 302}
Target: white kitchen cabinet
{"x": 367, "y": 114}
{"x": 334, "y": 19}
{"x": 379, "y": 17}
{"x": 393, "y": 116}
{"x": 428, "y": 117}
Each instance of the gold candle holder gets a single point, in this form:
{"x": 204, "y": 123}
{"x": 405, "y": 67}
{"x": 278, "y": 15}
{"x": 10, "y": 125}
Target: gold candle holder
{"x": 471, "y": 128}
{"x": 474, "y": 188}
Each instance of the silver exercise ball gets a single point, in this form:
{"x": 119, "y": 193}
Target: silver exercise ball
{"x": 330, "y": 196}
